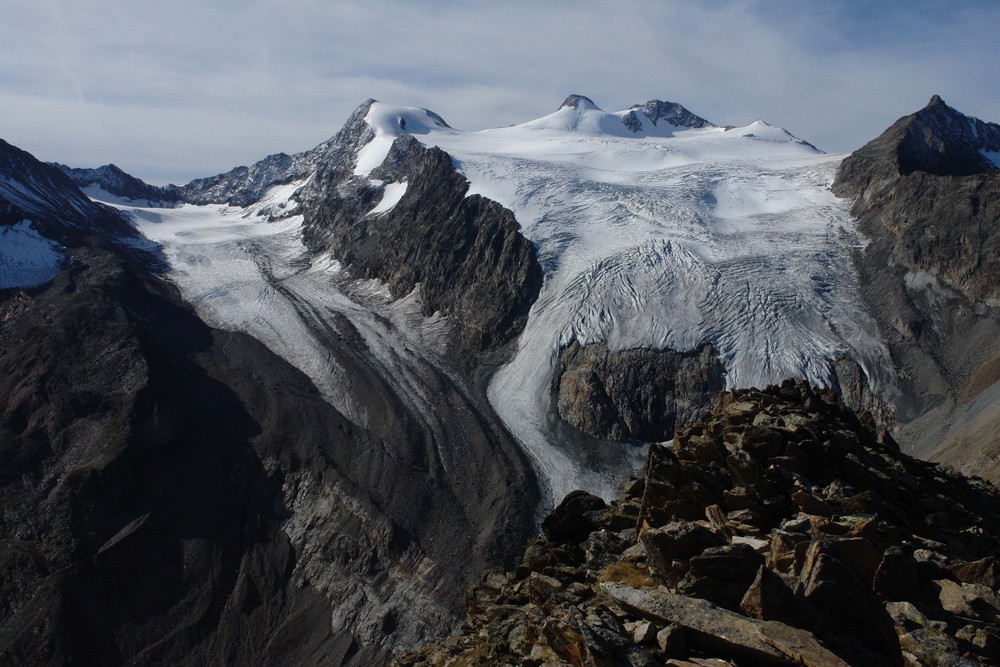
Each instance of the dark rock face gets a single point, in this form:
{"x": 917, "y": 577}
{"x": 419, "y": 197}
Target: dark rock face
{"x": 636, "y": 394}
{"x": 466, "y": 253}
{"x": 929, "y": 200}
{"x": 925, "y": 189}
{"x": 143, "y": 484}
{"x": 32, "y": 190}
{"x": 671, "y": 113}
{"x": 778, "y": 554}
{"x": 176, "y": 494}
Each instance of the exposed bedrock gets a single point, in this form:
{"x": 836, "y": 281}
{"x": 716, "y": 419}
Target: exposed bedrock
{"x": 643, "y": 394}
{"x": 466, "y": 254}
{"x": 929, "y": 201}
{"x": 637, "y": 394}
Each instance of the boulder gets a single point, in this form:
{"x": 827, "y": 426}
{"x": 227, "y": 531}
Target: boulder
{"x": 678, "y": 540}
{"x": 568, "y": 522}
{"x": 848, "y": 606}
{"x": 725, "y": 634}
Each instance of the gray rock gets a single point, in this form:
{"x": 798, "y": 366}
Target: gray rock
{"x": 634, "y": 394}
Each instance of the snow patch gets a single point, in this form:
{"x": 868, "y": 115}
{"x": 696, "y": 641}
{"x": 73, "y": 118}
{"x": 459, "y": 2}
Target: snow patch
{"x": 993, "y": 157}
{"x": 27, "y": 259}
{"x": 390, "y": 197}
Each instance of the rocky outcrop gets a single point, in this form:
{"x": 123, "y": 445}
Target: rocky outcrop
{"x": 636, "y": 394}
{"x": 466, "y": 253}
{"x": 927, "y": 197}
{"x": 657, "y": 111}
{"x": 779, "y": 530}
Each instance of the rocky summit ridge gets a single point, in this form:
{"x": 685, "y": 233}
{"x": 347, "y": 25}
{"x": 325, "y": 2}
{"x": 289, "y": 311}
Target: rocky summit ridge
{"x": 780, "y": 529}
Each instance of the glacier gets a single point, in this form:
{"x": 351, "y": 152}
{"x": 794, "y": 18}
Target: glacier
{"x": 650, "y": 235}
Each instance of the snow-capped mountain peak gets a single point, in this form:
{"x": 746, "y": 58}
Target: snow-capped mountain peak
{"x": 389, "y": 122}
{"x": 655, "y": 118}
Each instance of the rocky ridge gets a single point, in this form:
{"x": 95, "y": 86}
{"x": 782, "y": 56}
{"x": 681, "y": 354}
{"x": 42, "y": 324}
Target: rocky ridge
{"x": 780, "y": 529}
{"x": 928, "y": 199}
{"x": 43, "y": 194}
{"x": 113, "y": 180}
{"x": 466, "y": 253}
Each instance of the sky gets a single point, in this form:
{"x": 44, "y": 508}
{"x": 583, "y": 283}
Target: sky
{"x": 171, "y": 91}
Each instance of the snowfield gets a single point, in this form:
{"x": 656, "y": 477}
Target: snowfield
{"x": 27, "y": 259}
{"x": 650, "y": 235}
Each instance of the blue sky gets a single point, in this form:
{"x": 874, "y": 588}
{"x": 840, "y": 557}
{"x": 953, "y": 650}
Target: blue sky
{"x": 173, "y": 91}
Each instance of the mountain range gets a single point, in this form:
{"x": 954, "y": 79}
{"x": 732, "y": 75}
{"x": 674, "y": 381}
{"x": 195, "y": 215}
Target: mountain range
{"x": 287, "y": 413}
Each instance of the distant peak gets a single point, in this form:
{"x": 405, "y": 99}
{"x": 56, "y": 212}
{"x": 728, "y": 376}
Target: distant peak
{"x": 935, "y": 100}
{"x": 579, "y": 102}
{"x": 671, "y": 112}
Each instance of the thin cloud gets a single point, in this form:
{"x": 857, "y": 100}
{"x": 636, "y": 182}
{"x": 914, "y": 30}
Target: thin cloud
{"x": 185, "y": 89}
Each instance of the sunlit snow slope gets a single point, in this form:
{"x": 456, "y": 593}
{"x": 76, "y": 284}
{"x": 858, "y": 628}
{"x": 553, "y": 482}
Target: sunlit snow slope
{"x": 664, "y": 236}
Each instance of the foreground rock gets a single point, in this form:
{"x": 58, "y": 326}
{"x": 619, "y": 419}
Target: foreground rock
{"x": 779, "y": 530}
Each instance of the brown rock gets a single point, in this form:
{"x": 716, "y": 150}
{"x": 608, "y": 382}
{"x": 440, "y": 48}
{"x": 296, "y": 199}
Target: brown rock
{"x": 810, "y": 504}
{"x": 717, "y": 517}
{"x": 782, "y": 554}
{"x": 985, "y": 572}
{"x": 762, "y": 442}
{"x": 722, "y": 574}
{"x": 769, "y": 598}
{"x": 848, "y": 605}
{"x": 933, "y": 647}
{"x": 968, "y": 600}
{"x": 723, "y": 633}
{"x": 567, "y": 522}
{"x": 671, "y": 641}
{"x": 644, "y": 633}
{"x": 896, "y": 577}
{"x": 675, "y": 541}
{"x": 862, "y": 556}
{"x": 541, "y": 587}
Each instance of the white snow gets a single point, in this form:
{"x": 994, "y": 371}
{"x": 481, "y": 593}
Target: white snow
{"x": 390, "y": 197}
{"x": 729, "y": 236}
{"x": 389, "y": 122}
{"x": 993, "y": 157}
{"x": 27, "y": 259}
